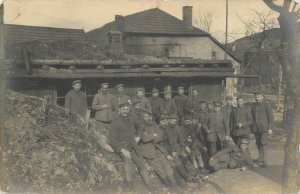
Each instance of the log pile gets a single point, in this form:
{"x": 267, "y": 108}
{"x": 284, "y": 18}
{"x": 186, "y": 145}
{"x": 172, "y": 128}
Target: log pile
{"x": 44, "y": 151}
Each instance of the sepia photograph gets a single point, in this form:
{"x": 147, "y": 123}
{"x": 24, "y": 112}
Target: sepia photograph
{"x": 150, "y": 96}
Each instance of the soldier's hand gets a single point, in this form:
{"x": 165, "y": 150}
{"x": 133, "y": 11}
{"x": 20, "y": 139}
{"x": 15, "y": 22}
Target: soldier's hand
{"x": 154, "y": 134}
{"x": 209, "y": 131}
{"x": 174, "y": 154}
{"x": 227, "y": 138}
{"x": 188, "y": 149}
{"x": 240, "y": 125}
{"x": 137, "y": 139}
{"x": 252, "y": 136}
{"x": 204, "y": 149}
{"x": 169, "y": 157}
{"x": 108, "y": 148}
{"x": 126, "y": 154}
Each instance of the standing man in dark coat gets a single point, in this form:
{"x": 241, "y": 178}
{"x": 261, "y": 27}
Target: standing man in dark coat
{"x": 194, "y": 103}
{"x": 182, "y": 103}
{"x": 102, "y": 103}
{"x": 119, "y": 97}
{"x": 156, "y": 104}
{"x": 263, "y": 118}
{"x": 218, "y": 130}
{"x": 169, "y": 105}
{"x": 144, "y": 101}
{"x": 75, "y": 100}
{"x": 241, "y": 122}
{"x": 227, "y": 109}
{"x": 121, "y": 138}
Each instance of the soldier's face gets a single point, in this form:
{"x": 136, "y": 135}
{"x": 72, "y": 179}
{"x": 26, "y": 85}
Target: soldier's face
{"x": 202, "y": 106}
{"x": 240, "y": 102}
{"x": 120, "y": 90}
{"x": 140, "y": 93}
{"x": 163, "y": 122}
{"x": 77, "y": 87}
{"x": 217, "y": 108}
{"x": 188, "y": 122}
{"x": 210, "y": 107}
{"x": 155, "y": 94}
{"x": 229, "y": 102}
{"x": 243, "y": 147}
{"x": 137, "y": 107}
{"x": 124, "y": 110}
{"x": 104, "y": 90}
{"x": 173, "y": 121}
{"x": 259, "y": 97}
{"x": 180, "y": 91}
{"x": 147, "y": 118}
{"x": 167, "y": 96}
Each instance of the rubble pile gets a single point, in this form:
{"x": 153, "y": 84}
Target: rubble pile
{"x": 44, "y": 151}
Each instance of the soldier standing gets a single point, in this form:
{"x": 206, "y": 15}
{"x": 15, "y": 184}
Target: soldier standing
{"x": 102, "y": 103}
{"x": 194, "y": 103}
{"x": 144, "y": 101}
{"x": 182, "y": 103}
{"x": 241, "y": 121}
{"x": 263, "y": 118}
{"x": 119, "y": 97}
{"x": 228, "y": 110}
{"x": 75, "y": 100}
{"x": 121, "y": 138}
{"x": 218, "y": 130}
{"x": 156, "y": 105}
{"x": 169, "y": 106}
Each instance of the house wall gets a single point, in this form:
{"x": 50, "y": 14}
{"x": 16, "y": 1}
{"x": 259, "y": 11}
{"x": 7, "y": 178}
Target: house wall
{"x": 195, "y": 47}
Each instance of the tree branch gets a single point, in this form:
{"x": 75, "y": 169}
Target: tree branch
{"x": 273, "y": 6}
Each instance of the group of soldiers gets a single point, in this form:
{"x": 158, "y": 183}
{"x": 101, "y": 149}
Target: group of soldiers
{"x": 181, "y": 138}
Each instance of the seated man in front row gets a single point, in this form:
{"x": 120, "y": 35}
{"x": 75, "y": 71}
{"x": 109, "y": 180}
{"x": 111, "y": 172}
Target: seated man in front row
{"x": 232, "y": 157}
{"x": 122, "y": 140}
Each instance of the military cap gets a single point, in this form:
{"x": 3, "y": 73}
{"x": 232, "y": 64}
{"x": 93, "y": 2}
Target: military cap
{"x": 137, "y": 101}
{"x": 119, "y": 86}
{"x": 229, "y": 98}
{"x": 202, "y": 102}
{"x": 217, "y": 104}
{"x": 139, "y": 89}
{"x": 76, "y": 82}
{"x": 173, "y": 117}
{"x": 209, "y": 102}
{"x": 155, "y": 90}
{"x": 244, "y": 141}
{"x": 180, "y": 87}
{"x": 187, "y": 117}
{"x": 104, "y": 85}
{"x": 257, "y": 92}
{"x": 239, "y": 97}
{"x": 162, "y": 117}
{"x": 125, "y": 103}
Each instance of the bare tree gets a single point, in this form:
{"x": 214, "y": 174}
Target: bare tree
{"x": 205, "y": 21}
{"x": 288, "y": 55}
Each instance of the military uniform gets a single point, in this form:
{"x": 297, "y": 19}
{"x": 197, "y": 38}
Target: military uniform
{"x": 218, "y": 126}
{"x": 121, "y": 136}
{"x": 230, "y": 157}
{"x": 102, "y": 103}
{"x": 75, "y": 102}
{"x": 182, "y": 104}
{"x": 157, "y": 107}
{"x": 169, "y": 107}
{"x": 155, "y": 153}
{"x": 144, "y": 103}
{"x": 263, "y": 118}
{"x": 118, "y": 98}
{"x": 241, "y": 115}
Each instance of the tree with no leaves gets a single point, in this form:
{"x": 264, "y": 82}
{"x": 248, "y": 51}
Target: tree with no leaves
{"x": 288, "y": 55}
{"x": 205, "y": 21}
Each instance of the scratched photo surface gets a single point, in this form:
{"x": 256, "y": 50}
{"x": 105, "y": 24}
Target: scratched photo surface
{"x": 149, "y": 96}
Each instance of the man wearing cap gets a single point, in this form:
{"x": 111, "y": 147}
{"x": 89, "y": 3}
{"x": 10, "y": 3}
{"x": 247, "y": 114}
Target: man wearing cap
{"x": 137, "y": 115}
{"x": 218, "y": 130}
{"x": 169, "y": 105}
{"x": 231, "y": 157}
{"x": 154, "y": 152}
{"x": 119, "y": 97}
{"x": 182, "y": 103}
{"x": 75, "y": 100}
{"x": 263, "y": 118}
{"x": 121, "y": 138}
{"x": 144, "y": 101}
{"x": 241, "y": 122}
{"x": 102, "y": 103}
{"x": 156, "y": 105}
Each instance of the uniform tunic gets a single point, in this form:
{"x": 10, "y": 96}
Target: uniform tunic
{"x": 218, "y": 124}
{"x": 263, "y": 117}
{"x": 144, "y": 103}
{"x": 76, "y": 102}
{"x": 182, "y": 104}
{"x": 194, "y": 104}
{"x": 103, "y": 114}
{"x": 157, "y": 106}
{"x": 241, "y": 115}
{"x": 169, "y": 107}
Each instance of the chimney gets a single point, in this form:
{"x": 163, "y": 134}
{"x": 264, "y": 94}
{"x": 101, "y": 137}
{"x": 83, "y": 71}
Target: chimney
{"x": 120, "y": 22}
{"x": 187, "y": 16}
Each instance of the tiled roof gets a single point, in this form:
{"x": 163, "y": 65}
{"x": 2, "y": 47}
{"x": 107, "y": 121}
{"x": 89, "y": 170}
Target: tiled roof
{"x": 153, "y": 21}
{"x": 20, "y": 33}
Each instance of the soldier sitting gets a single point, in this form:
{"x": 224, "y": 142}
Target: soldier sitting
{"x": 155, "y": 153}
{"x": 232, "y": 157}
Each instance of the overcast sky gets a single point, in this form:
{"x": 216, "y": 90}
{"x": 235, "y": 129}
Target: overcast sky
{"x": 91, "y": 14}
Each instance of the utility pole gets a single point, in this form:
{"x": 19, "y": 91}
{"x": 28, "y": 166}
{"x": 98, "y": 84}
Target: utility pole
{"x": 226, "y": 29}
